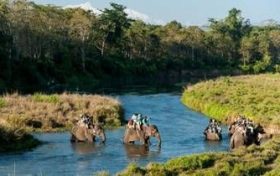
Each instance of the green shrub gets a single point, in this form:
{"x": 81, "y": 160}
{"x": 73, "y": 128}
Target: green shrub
{"x": 277, "y": 68}
{"x": 39, "y": 97}
{"x": 255, "y": 96}
{"x": 248, "y": 168}
{"x": 191, "y": 162}
{"x": 2, "y": 103}
{"x": 132, "y": 169}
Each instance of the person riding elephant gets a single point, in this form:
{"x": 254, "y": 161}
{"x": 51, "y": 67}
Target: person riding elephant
{"x": 213, "y": 131}
{"x": 239, "y": 137}
{"x": 245, "y": 135}
{"x": 86, "y": 131}
{"x": 132, "y": 135}
{"x": 84, "y": 134}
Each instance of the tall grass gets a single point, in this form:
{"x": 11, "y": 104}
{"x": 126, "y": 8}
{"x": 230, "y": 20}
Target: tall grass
{"x": 2, "y": 103}
{"x": 41, "y": 112}
{"x": 254, "y": 160}
{"x": 255, "y": 96}
{"x": 39, "y": 97}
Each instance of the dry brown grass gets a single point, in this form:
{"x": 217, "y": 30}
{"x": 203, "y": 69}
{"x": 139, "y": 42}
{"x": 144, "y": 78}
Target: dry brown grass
{"x": 56, "y": 112}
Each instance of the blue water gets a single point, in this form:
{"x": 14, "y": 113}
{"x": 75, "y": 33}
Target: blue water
{"x": 181, "y": 131}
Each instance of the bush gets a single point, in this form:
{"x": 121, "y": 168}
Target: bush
{"x": 191, "y": 162}
{"x": 2, "y": 103}
{"x": 39, "y": 97}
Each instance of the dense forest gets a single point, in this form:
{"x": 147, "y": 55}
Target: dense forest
{"x": 45, "y": 47}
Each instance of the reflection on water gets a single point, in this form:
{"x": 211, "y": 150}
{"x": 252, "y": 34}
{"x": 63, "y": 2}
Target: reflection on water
{"x": 136, "y": 151}
{"x": 86, "y": 148}
{"x": 133, "y": 151}
{"x": 181, "y": 131}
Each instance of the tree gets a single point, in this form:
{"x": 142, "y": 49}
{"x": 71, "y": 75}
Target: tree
{"x": 80, "y": 25}
{"x": 110, "y": 27}
{"x": 230, "y": 30}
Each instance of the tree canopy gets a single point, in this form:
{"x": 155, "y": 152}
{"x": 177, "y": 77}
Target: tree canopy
{"x": 45, "y": 45}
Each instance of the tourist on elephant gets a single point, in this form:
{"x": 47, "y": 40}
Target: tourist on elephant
{"x": 86, "y": 120}
{"x": 138, "y": 120}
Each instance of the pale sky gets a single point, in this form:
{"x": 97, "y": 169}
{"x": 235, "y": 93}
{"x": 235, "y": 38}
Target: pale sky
{"x": 188, "y": 12}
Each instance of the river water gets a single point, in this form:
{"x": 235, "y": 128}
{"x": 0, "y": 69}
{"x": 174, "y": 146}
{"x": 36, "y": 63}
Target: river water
{"x": 181, "y": 131}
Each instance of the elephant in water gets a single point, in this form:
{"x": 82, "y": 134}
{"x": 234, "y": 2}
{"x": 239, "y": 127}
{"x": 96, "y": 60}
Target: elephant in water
{"x": 213, "y": 132}
{"x": 82, "y": 133}
{"x": 238, "y": 138}
{"x": 244, "y": 136}
{"x": 212, "y": 136}
{"x": 132, "y": 135}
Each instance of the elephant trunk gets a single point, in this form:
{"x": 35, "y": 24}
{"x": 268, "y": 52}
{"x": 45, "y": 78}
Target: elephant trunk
{"x": 159, "y": 139}
{"x": 103, "y": 137}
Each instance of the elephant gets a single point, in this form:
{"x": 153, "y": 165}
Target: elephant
{"x": 231, "y": 129}
{"x": 212, "y": 136}
{"x": 238, "y": 138}
{"x": 131, "y": 135}
{"x": 87, "y": 134}
{"x": 244, "y": 136}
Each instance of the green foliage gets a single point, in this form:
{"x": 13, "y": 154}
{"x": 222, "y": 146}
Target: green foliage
{"x": 132, "y": 169}
{"x": 75, "y": 49}
{"x": 261, "y": 66}
{"x": 2, "y": 102}
{"x": 277, "y": 68}
{"x": 190, "y": 162}
{"x": 242, "y": 162}
{"x": 40, "y": 97}
{"x": 254, "y": 96}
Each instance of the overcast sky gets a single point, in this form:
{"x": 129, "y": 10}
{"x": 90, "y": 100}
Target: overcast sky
{"x": 188, "y": 12}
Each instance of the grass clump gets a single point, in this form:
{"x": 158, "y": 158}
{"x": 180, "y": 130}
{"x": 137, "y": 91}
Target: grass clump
{"x": 2, "y": 103}
{"x": 39, "y": 97}
{"x": 255, "y": 96}
{"x": 16, "y": 139}
{"x": 132, "y": 169}
{"x": 58, "y": 112}
{"x": 191, "y": 162}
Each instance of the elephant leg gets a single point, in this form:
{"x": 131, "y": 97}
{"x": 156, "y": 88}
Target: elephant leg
{"x": 73, "y": 138}
{"x": 147, "y": 141}
{"x": 89, "y": 136}
{"x": 232, "y": 144}
{"x": 93, "y": 138}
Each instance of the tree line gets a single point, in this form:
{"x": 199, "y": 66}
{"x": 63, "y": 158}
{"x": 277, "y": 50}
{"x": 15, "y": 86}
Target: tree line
{"x": 46, "y": 45}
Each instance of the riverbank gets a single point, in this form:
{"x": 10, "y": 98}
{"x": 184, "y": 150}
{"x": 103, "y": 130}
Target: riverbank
{"x": 21, "y": 115}
{"x": 58, "y": 112}
{"x": 255, "y": 96}
{"x": 254, "y": 160}
{"x": 16, "y": 139}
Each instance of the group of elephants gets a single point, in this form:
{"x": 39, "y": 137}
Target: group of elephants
{"x": 242, "y": 133}
{"x": 86, "y": 131}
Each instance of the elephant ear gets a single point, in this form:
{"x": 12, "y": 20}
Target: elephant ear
{"x": 149, "y": 131}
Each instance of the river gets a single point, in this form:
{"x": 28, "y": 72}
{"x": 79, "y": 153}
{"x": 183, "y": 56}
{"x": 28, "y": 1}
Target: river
{"x": 181, "y": 131}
